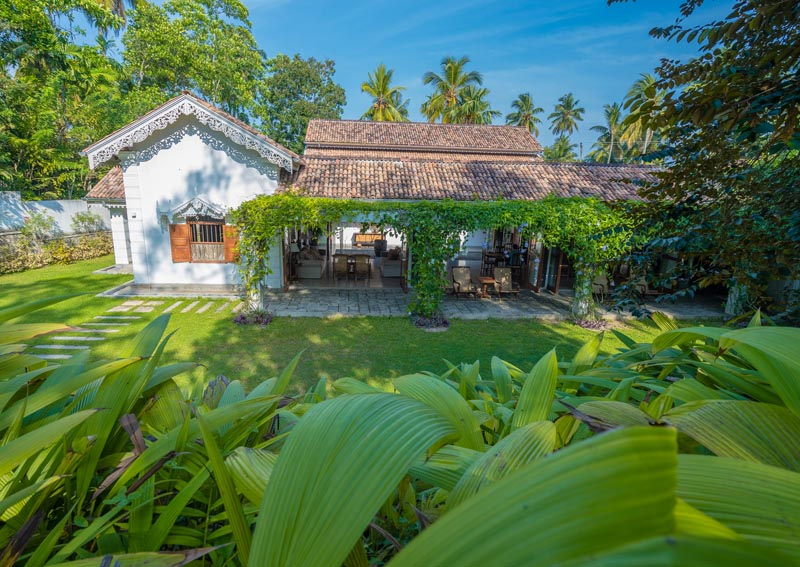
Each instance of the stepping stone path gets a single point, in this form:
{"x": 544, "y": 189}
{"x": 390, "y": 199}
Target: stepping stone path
{"x": 173, "y": 306}
{"x": 98, "y": 329}
{"x": 205, "y": 307}
{"x": 189, "y": 307}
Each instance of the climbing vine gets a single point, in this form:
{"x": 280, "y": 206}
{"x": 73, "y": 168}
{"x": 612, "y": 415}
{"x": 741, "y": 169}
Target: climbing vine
{"x": 589, "y": 231}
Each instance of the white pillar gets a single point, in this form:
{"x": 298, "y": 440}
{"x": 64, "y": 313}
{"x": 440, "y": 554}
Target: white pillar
{"x": 119, "y": 235}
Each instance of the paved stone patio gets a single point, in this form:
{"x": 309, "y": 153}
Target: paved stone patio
{"x": 393, "y": 302}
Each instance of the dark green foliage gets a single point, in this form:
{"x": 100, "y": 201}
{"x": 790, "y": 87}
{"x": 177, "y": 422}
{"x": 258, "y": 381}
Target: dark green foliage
{"x": 295, "y": 91}
{"x": 731, "y": 140}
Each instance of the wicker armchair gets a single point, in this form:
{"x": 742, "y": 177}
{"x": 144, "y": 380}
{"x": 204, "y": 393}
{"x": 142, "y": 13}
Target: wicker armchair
{"x": 462, "y": 281}
{"x": 504, "y": 283}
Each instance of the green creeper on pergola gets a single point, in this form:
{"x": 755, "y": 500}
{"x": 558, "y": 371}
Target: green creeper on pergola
{"x": 589, "y": 231}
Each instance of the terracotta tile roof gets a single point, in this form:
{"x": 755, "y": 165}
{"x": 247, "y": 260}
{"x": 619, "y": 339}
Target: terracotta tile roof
{"x": 210, "y": 107}
{"x": 415, "y": 180}
{"x": 109, "y": 188}
{"x": 323, "y": 136}
{"x": 406, "y": 155}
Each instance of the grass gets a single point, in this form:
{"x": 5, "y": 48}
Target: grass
{"x": 373, "y": 349}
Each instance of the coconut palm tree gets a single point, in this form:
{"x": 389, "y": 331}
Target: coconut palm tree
{"x": 609, "y": 145}
{"x": 524, "y": 114}
{"x": 117, "y": 7}
{"x": 472, "y": 108}
{"x": 448, "y": 87}
{"x": 566, "y": 115}
{"x": 638, "y": 132}
{"x": 561, "y": 150}
{"x": 387, "y": 101}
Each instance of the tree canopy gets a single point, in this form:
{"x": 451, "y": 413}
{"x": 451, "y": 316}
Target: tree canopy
{"x": 59, "y": 93}
{"x": 295, "y": 91}
{"x": 730, "y": 119}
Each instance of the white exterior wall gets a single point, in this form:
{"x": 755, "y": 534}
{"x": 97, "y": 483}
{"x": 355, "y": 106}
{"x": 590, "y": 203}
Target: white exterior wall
{"x": 119, "y": 234}
{"x": 173, "y": 166}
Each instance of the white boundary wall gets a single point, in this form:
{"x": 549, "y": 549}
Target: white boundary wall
{"x": 13, "y": 211}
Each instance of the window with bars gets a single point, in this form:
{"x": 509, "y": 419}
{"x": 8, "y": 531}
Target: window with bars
{"x": 206, "y": 232}
{"x": 203, "y": 241}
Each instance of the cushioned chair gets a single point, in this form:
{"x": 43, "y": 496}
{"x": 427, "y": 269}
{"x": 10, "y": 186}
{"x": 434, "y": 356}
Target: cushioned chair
{"x": 462, "y": 281}
{"x": 504, "y": 283}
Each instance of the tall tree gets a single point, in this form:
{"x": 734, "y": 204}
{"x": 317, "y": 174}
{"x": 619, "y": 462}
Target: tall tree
{"x": 387, "y": 101}
{"x": 638, "y": 132}
{"x": 296, "y": 91}
{"x": 472, "y": 108}
{"x": 525, "y": 114}
{"x": 732, "y": 140}
{"x": 609, "y": 140}
{"x": 448, "y": 87}
{"x": 562, "y": 150}
{"x": 204, "y": 46}
{"x": 566, "y": 115}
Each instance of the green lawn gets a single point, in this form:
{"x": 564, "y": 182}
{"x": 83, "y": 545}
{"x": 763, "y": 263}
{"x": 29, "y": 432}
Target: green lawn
{"x": 374, "y": 349}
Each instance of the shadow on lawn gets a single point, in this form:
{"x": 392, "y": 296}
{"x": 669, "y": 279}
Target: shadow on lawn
{"x": 373, "y": 349}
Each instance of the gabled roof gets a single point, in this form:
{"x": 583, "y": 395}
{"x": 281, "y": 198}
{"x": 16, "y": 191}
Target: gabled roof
{"x": 412, "y": 140}
{"x": 467, "y": 181}
{"x": 207, "y": 114}
{"x": 110, "y": 188}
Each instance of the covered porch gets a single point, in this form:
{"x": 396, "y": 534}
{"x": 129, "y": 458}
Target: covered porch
{"x": 347, "y": 255}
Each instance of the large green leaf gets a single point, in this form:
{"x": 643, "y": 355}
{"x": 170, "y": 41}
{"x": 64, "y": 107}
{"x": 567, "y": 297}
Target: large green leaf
{"x": 25, "y": 446}
{"x": 438, "y": 395}
{"x": 445, "y": 467}
{"x": 686, "y": 336}
{"x": 773, "y": 352}
{"x": 168, "y": 442}
{"x": 503, "y": 382}
{"x": 251, "y": 469}
{"x": 522, "y": 446}
{"x": 170, "y": 559}
{"x": 586, "y": 355}
{"x": 586, "y": 500}
{"x": 23, "y": 332}
{"x": 749, "y": 431}
{"x": 614, "y": 414}
{"x": 339, "y": 465}
{"x": 536, "y": 397}
{"x": 61, "y": 384}
{"x": 759, "y": 502}
{"x": 683, "y": 551}
{"x": 230, "y": 499}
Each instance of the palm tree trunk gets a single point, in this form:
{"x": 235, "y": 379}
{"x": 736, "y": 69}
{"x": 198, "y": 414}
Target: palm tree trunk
{"x": 610, "y": 146}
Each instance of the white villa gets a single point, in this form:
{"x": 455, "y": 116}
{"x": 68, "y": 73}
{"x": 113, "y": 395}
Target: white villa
{"x": 180, "y": 169}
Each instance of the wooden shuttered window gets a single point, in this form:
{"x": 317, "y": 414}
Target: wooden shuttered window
{"x": 191, "y": 242}
{"x": 231, "y": 240}
{"x": 180, "y": 238}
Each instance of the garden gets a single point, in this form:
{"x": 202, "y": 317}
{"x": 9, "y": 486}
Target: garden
{"x": 610, "y": 453}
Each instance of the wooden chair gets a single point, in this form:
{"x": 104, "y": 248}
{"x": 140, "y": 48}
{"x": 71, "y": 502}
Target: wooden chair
{"x": 340, "y": 268}
{"x": 362, "y": 267}
{"x": 504, "y": 283}
{"x": 488, "y": 262}
{"x": 462, "y": 281}
{"x": 600, "y": 286}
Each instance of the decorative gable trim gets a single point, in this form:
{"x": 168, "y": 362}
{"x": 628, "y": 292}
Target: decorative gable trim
{"x": 168, "y": 114}
{"x": 196, "y": 207}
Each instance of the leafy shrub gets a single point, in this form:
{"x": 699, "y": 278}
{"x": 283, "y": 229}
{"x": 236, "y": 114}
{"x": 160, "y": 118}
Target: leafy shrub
{"x": 253, "y": 316}
{"x": 18, "y": 255}
{"x": 621, "y": 459}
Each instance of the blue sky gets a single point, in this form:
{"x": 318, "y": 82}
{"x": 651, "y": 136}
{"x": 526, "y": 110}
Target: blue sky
{"x": 546, "y": 48}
